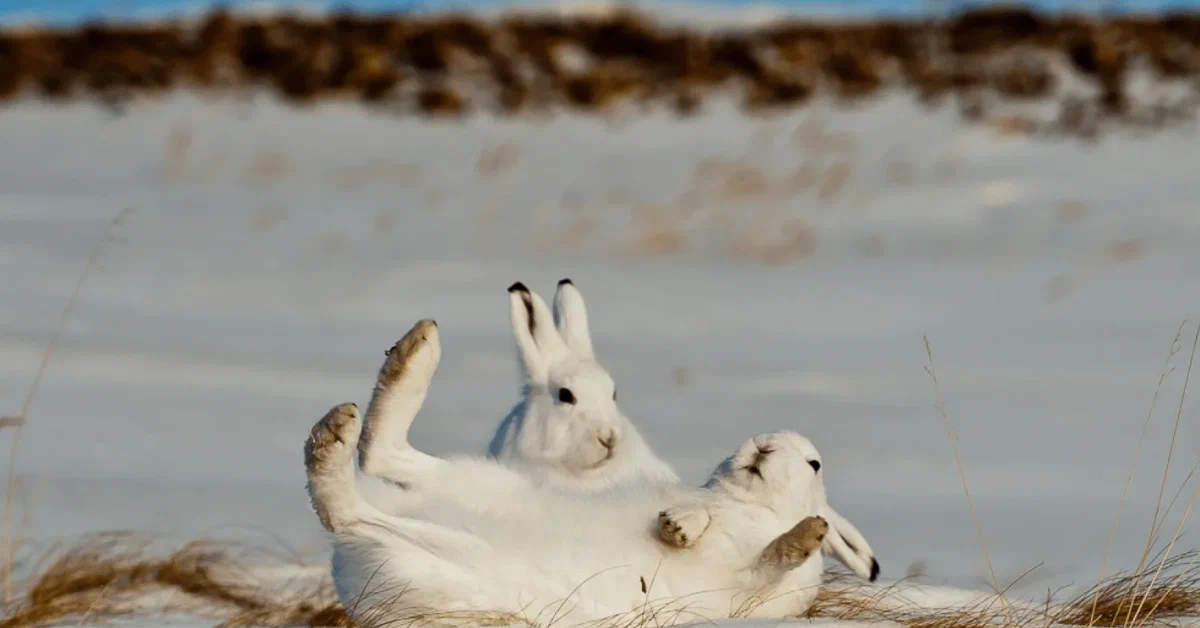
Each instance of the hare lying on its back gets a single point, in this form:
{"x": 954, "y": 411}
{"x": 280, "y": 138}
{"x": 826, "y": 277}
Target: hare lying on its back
{"x": 567, "y": 429}
{"x": 479, "y": 536}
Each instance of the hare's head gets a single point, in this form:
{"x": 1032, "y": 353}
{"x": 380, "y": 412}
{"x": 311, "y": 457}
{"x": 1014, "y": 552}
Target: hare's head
{"x": 784, "y": 472}
{"x": 568, "y": 419}
{"x": 781, "y": 470}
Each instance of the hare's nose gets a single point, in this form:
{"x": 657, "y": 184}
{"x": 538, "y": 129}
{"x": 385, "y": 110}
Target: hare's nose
{"x": 609, "y": 440}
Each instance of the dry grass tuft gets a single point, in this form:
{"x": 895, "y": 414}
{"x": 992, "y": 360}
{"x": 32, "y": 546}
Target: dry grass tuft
{"x": 1173, "y": 601}
{"x": 1173, "y": 596}
{"x": 8, "y": 545}
{"x": 117, "y": 575}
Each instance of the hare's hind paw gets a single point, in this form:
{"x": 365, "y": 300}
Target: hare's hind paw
{"x": 404, "y": 378}
{"x": 796, "y": 545}
{"x": 329, "y": 464}
{"x": 331, "y": 442}
{"x": 407, "y": 353}
{"x": 681, "y": 526}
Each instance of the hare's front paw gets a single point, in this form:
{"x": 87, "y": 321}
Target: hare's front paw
{"x": 681, "y": 526}
{"x": 795, "y": 546}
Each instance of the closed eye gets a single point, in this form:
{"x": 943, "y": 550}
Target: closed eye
{"x": 761, "y": 455}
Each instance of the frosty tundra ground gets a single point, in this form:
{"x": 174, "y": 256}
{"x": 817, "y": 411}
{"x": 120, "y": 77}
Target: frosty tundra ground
{"x": 270, "y": 249}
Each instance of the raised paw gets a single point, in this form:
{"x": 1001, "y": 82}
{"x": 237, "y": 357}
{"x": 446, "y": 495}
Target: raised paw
{"x": 329, "y": 464}
{"x": 333, "y": 438}
{"x": 399, "y": 391}
{"x": 796, "y": 545}
{"x": 406, "y": 351}
{"x": 681, "y": 526}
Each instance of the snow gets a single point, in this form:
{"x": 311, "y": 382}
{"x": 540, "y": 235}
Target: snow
{"x": 258, "y": 280}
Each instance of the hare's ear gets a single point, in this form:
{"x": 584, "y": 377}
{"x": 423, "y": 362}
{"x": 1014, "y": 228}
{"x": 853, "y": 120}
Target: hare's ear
{"x": 538, "y": 343}
{"x": 849, "y": 546}
{"x": 570, "y": 316}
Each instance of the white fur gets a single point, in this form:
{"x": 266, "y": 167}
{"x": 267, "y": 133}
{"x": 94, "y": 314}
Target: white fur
{"x": 848, "y": 545}
{"x": 477, "y": 535}
{"x": 564, "y": 442}
{"x": 559, "y": 442}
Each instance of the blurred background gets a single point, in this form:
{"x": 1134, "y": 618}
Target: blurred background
{"x": 767, "y": 207}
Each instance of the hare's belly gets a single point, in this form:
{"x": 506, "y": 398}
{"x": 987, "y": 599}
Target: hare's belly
{"x": 608, "y": 582}
{"x": 626, "y": 591}
{"x": 596, "y": 578}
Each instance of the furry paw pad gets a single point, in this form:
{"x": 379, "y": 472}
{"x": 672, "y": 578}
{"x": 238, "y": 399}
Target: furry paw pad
{"x": 804, "y": 539}
{"x": 681, "y": 526}
{"x": 332, "y": 438}
{"x": 328, "y": 462}
{"x": 406, "y": 349}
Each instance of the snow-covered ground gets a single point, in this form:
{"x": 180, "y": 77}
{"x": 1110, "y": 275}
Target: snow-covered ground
{"x": 272, "y": 254}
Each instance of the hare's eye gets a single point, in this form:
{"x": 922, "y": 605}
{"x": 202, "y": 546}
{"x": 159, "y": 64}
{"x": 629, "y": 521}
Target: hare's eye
{"x": 815, "y": 464}
{"x": 566, "y": 396}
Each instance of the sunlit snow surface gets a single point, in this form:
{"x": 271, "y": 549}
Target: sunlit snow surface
{"x": 273, "y": 253}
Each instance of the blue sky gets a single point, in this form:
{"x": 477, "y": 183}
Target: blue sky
{"x": 67, "y": 11}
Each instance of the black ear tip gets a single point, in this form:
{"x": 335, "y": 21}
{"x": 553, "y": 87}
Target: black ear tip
{"x": 518, "y": 287}
{"x": 565, "y": 281}
{"x": 874, "y": 570}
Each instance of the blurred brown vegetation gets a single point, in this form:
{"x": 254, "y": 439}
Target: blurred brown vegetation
{"x": 113, "y": 576}
{"x": 110, "y": 577}
{"x": 451, "y": 64}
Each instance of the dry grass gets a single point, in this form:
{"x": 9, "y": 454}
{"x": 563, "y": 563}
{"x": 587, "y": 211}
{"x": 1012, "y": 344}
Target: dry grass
{"x": 115, "y": 576}
{"x": 8, "y": 544}
{"x": 941, "y": 409}
{"x": 1163, "y": 589}
{"x": 1173, "y": 602}
{"x": 110, "y": 576}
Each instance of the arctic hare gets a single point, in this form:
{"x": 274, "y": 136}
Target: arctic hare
{"x": 480, "y": 536}
{"x": 566, "y": 429}
{"x": 567, "y": 425}
{"x": 587, "y": 445}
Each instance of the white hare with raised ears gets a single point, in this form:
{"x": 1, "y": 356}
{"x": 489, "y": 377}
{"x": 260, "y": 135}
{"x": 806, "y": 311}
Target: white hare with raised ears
{"x": 578, "y": 555}
{"x": 567, "y": 426}
{"x": 588, "y": 444}
{"x": 567, "y": 429}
